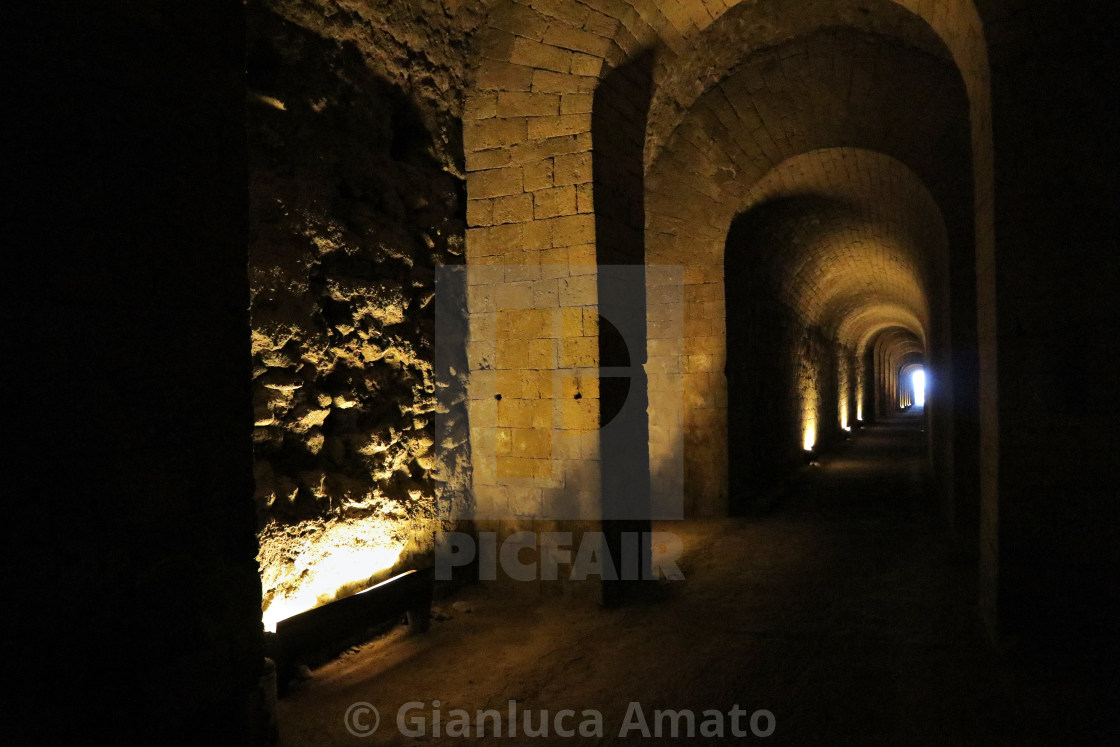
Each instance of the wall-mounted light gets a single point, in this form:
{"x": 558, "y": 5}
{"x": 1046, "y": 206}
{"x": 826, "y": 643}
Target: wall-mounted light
{"x": 810, "y": 413}
{"x": 314, "y": 584}
{"x": 810, "y": 436}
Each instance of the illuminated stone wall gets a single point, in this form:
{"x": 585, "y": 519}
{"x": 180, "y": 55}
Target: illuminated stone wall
{"x": 356, "y": 200}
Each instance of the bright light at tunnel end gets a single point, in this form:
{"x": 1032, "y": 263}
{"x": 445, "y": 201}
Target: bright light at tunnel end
{"x": 919, "y": 380}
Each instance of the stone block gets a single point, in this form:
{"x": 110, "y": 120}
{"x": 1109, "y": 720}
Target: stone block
{"x": 484, "y": 413}
{"x": 506, "y": 239}
{"x": 511, "y": 209}
{"x": 488, "y": 159}
{"x": 576, "y": 103}
{"x": 503, "y": 76}
{"x": 480, "y": 212}
{"x": 513, "y": 296}
{"x": 526, "y": 501}
{"x": 572, "y": 168}
{"x": 511, "y": 354}
{"x": 571, "y": 322}
{"x": 579, "y": 352}
{"x": 537, "y": 237}
{"x": 577, "y": 40}
{"x": 518, "y": 20}
{"x": 533, "y": 443}
{"x": 523, "y": 268}
{"x": 480, "y": 105}
{"x": 540, "y": 56}
{"x": 542, "y": 354}
{"x": 578, "y": 291}
{"x": 565, "y": 10}
{"x": 546, "y": 81}
{"x": 585, "y": 200}
{"x": 542, "y": 128}
{"x": 516, "y": 468}
{"x": 510, "y": 384}
{"x": 590, "y": 65}
{"x": 574, "y": 231}
{"x": 527, "y": 104}
{"x": 503, "y": 441}
{"x": 546, "y": 293}
{"x": 553, "y": 203}
{"x": 494, "y": 182}
{"x": 538, "y": 174}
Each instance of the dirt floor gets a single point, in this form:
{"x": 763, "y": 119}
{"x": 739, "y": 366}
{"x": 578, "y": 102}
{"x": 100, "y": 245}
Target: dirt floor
{"x": 847, "y": 613}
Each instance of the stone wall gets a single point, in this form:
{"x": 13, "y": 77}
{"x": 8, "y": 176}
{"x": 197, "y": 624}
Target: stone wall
{"x": 356, "y": 200}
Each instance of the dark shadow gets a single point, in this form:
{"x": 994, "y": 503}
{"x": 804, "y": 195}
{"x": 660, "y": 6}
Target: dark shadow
{"x": 133, "y": 462}
{"x": 620, "y": 114}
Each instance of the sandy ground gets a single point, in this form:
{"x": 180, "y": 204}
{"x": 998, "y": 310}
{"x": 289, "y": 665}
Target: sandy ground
{"x": 847, "y": 613}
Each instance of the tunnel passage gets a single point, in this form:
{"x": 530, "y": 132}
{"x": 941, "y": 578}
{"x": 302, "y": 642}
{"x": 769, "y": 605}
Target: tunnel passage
{"x": 590, "y": 140}
{"x": 892, "y": 243}
{"x": 888, "y": 352}
{"x": 797, "y": 269}
{"x": 912, "y": 382}
{"x": 1049, "y": 549}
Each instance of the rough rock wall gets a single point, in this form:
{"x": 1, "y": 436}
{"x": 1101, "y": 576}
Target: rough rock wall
{"x": 417, "y": 46}
{"x": 354, "y": 205}
{"x": 817, "y": 384}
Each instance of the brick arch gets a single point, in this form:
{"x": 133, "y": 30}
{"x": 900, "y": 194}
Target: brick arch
{"x": 721, "y": 160}
{"x": 887, "y": 351}
{"x": 886, "y": 224}
{"x": 910, "y": 363}
{"x": 770, "y": 110}
{"x": 874, "y": 322}
{"x": 871, "y": 320}
{"x": 749, "y": 28}
{"x": 536, "y": 62}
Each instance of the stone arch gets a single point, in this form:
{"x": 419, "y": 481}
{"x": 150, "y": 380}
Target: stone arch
{"x": 911, "y": 363}
{"x": 886, "y": 353}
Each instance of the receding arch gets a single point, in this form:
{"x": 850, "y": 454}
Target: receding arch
{"x": 528, "y": 124}
{"x": 818, "y": 264}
